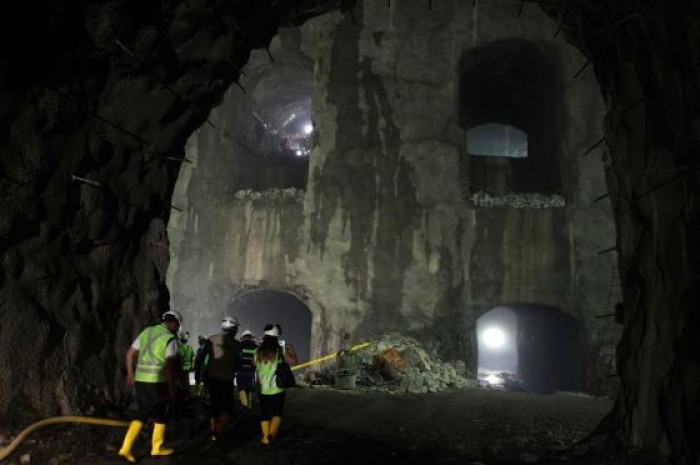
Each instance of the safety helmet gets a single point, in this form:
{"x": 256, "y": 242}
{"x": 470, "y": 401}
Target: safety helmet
{"x": 245, "y": 333}
{"x": 274, "y": 331}
{"x": 172, "y": 314}
{"x": 229, "y": 323}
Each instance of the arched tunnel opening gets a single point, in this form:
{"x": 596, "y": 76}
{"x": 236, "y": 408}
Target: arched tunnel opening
{"x": 278, "y": 87}
{"x": 255, "y": 309}
{"x": 255, "y": 149}
{"x": 529, "y": 347}
{"x": 511, "y": 107}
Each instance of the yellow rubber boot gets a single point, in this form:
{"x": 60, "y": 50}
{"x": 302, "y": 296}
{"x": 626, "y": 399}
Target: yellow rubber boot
{"x": 158, "y": 440}
{"x": 265, "y": 427}
{"x": 275, "y": 426}
{"x": 244, "y": 398}
{"x": 131, "y": 434}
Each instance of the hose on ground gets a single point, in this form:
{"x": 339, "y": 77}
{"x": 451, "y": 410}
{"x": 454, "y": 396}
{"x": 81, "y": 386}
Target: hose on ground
{"x": 4, "y": 453}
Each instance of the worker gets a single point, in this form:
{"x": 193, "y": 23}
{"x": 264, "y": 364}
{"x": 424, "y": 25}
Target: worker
{"x": 223, "y": 357}
{"x": 187, "y": 360}
{"x": 271, "y": 397}
{"x": 199, "y": 358}
{"x": 245, "y": 375}
{"x": 156, "y": 353}
{"x": 290, "y": 353}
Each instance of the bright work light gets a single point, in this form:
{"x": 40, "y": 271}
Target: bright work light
{"x": 493, "y": 338}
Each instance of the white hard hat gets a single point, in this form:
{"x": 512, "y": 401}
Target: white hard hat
{"x": 274, "y": 331}
{"x": 229, "y": 322}
{"x": 173, "y": 314}
{"x": 247, "y": 332}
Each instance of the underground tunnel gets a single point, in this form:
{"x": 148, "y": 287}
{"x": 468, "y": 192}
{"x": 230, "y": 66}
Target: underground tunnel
{"x": 529, "y": 347}
{"x": 512, "y": 87}
{"x": 149, "y": 161}
{"x": 255, "y": 309}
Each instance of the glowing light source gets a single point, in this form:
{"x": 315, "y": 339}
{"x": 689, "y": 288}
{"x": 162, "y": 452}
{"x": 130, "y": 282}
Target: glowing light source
{"x": 299, "y": 153}
{"x": 493, "y": 379}
{"x": 493, "y": 337}
{"x": 308, "y": 128}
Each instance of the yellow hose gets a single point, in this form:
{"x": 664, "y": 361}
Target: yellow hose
{"x": 329, "y": 357}
{"x": 4, "y": 453}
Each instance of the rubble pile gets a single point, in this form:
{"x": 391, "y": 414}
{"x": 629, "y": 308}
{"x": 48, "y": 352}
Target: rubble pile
{"x": 394, "y": 363}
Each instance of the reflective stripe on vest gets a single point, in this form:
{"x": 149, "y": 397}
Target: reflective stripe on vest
{"x": 247, "y": 357}
{"x": 153, "y": 341}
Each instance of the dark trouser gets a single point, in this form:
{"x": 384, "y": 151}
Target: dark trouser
{"x": 150, "y": 398}
{"x": 221, "y": 394}
{"x": 245, "y": 380}
{"x": 271, "y": 405}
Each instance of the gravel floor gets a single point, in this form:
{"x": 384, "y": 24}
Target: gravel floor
{"x": 327, "y": 426}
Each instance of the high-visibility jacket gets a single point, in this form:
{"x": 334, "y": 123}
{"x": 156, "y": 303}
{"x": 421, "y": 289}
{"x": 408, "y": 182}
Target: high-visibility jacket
{"x": 265, "y": 371}
{"x": 150, "y": 366}
{"x": 248, "y": 347}
{"x": 186, "y": 352}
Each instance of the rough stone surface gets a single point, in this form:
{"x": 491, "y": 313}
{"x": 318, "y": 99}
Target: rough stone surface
{"x": 391, "y": 238}
{"x": 110, "y": 92}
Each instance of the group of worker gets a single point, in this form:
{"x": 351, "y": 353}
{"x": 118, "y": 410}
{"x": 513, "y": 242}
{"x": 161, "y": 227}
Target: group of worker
{"x": 159, "y": 361}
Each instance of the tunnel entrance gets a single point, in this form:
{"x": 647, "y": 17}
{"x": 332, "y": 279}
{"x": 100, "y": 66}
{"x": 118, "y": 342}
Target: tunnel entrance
{"x": 279, "y": 83}
{"x": 530, "y": 347}
{"x": 257, "y": 308}
{"x": 511, "y": 107}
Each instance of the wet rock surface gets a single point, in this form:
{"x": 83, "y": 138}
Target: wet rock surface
{"x": 323, "y": 425}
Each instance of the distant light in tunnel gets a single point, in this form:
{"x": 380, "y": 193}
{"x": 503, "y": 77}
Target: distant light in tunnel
{"x": 308, "y": 128}
{"x": 493, "y": 379}
{"x": 493, "y": 338}
{"x": 299, "y": 153}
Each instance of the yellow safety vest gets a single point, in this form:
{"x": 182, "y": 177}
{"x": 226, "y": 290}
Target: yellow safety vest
{"x": 186, "y": 352}
{"x": 266, "y": 376}
{"x": 150, "y": 366}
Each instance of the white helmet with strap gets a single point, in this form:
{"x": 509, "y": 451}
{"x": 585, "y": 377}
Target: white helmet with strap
{"x": 229, "y": 323}
{"x": 172, "y": 314}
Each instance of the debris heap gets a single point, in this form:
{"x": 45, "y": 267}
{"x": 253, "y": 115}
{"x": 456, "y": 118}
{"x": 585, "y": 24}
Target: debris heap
{"x": 393, "y": 363}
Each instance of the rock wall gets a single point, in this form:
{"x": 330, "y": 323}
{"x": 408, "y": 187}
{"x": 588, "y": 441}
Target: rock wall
{"x": 96, "y": 107}
{"x": 422, "y": 256}
{"x": 102, "y": 91}
{"x": 390, "y": 238}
